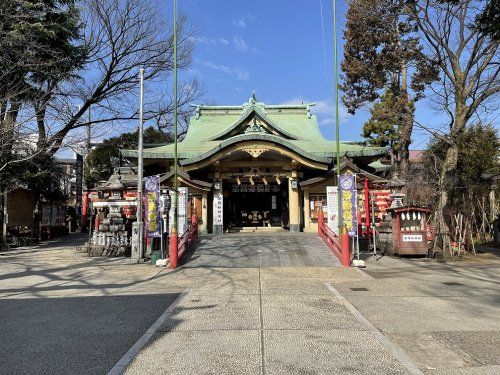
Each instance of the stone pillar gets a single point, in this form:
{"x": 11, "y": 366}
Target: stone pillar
{"x": 307, "y": 212}
{"x": 204, "y": 213}
{"x": 135, "y": 253}
{"x": 294, "y": 203}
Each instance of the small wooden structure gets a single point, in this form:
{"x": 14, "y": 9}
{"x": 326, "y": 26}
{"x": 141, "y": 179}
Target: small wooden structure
{"x": 409, "y": 230}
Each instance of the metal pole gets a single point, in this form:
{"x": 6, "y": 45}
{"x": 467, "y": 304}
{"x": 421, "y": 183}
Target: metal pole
{"x": 5, "y": 218}
{"x": 174, "y": 239}
{"x": 162, "y": 245}
{"x": 88, "y": 131}
{"x": 176, "y": 183}
{"x": 373, "y": 226}
{"x": 337, "y": 128}
{"x": 357, "y": 223}
{"x": 140, "y": 168}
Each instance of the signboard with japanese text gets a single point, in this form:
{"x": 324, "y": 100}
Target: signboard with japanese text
{"x": 182, "y": 211}
{"x": 332, "y": 202}
{"x": 412, "y": 238}
{"x": 152, "y": 194}
{"x": 218, "y": 202}
{"x": 348, "y": 193}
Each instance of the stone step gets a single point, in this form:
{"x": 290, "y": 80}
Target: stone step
{"x": 255, "y": 229}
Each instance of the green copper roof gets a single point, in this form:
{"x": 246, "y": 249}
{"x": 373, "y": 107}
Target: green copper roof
{"x": 292, "y": 126}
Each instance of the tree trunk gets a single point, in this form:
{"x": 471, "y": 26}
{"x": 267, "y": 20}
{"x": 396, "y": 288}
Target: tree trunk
{"x": 40, "y": 120}
{"x": 403, "y": 160}
{"x": 7, "y": 125}
{"x": 9, "y": 120}
{"x": 447, "y": 174}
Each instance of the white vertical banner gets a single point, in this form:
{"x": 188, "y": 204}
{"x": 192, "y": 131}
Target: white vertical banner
{"x": 332, "y": 202}
{"x": 182, "y": 211}
{"x": 218, "y": 201}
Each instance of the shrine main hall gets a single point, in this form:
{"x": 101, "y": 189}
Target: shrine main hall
{"x": 256, "y": 166}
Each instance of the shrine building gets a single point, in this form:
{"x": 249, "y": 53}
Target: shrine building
{"x": 257, "y": 166}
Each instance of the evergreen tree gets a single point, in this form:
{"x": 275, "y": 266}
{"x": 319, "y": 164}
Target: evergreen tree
{"x": 37, "y": 40}
{"x": 383, "y": 61}
{"x": 488, "y": 21}
{"x": 385, "y": 123}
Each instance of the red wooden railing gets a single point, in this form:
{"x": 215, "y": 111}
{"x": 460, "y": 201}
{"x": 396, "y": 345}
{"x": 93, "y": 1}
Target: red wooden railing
{"x": 188, "y": 237}
{"x": 179, "y": 246}
{"x": 339, "y": 246}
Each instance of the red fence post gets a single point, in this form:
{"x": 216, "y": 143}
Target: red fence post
{"x": 194, "y": 223}
{"x": 173, "y": 248}
{"x": 321, "y": 218}
{"x": 346, "y": 250}
{"x": 367, "y": 206}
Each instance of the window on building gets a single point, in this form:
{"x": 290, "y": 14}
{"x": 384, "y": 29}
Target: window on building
{"x": 316, "y": 201}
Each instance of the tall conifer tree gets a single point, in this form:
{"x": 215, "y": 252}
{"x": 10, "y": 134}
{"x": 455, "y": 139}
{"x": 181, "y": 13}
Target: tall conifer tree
{"x": 383, "y": 64}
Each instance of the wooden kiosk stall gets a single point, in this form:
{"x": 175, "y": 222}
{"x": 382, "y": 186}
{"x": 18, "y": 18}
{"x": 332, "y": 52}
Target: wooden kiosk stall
{"x": 409, "y": 230}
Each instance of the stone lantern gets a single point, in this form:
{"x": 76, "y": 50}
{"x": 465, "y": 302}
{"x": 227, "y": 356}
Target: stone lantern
{"x": 396, "y": 186}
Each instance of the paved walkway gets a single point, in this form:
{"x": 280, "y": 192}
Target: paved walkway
{"x": 283, "y": 249}
{"x": 62, "y": 312}
{"x": 446, "y": 317}
{"x": 265, "y": 321}
{"x": 262, "y": 305}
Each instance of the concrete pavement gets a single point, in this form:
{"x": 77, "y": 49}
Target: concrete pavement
{"x": 264, "y": 318}
{"x": 268, "y": 325}
{"x": 64, "y": 313}
{"x": 446, "y": 317}
{"x": 250, "y": 310}
{"x": 249, "y": 250}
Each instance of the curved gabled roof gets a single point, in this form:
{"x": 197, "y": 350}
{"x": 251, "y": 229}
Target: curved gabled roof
{"x": 291, "y": 126}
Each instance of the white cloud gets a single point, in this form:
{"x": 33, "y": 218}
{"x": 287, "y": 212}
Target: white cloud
{"x": 240, "y": 44}
{"x": 326, "y": 121}
{"x": 297, "y": 100}
{"x": 324, "y": 109}
{"x": 256, "y": 50}
{"x": 239, "y": 22}
{"x": 209, "y": 42}
{"x": 242, "y": 20}
{"x": 240, "y": 74}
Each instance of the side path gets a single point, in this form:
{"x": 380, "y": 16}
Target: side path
{"x": 268, "y": 321}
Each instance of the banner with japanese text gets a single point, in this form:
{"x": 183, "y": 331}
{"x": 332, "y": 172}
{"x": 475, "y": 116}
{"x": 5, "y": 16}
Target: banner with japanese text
{"x": 152, "y": 194}
{"x": 182, "y": 210}
{"x": 349, "y": 205}
{"x": 332, "y": 213}
{"x": 217, "y": 208}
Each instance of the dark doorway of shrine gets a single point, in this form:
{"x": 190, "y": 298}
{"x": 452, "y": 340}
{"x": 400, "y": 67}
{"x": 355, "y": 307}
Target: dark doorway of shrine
{"x": 257, "y": 203}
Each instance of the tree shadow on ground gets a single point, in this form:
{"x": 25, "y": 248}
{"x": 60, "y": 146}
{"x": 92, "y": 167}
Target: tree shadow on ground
{"x": 75, "y": 335}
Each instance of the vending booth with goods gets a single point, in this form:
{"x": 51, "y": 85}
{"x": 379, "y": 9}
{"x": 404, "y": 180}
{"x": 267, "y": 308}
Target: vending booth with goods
{"x": 409, "y": 230}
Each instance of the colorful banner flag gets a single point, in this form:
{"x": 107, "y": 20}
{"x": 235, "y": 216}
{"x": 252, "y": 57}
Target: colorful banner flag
{"x": 152, "y": 194}
{"x": 349, "y": 206}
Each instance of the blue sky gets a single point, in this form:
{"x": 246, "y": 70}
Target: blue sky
{"x": 276, "y": 49}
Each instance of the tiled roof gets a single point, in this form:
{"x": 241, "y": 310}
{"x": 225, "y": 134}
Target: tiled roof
{"x": 292, "y": 126}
